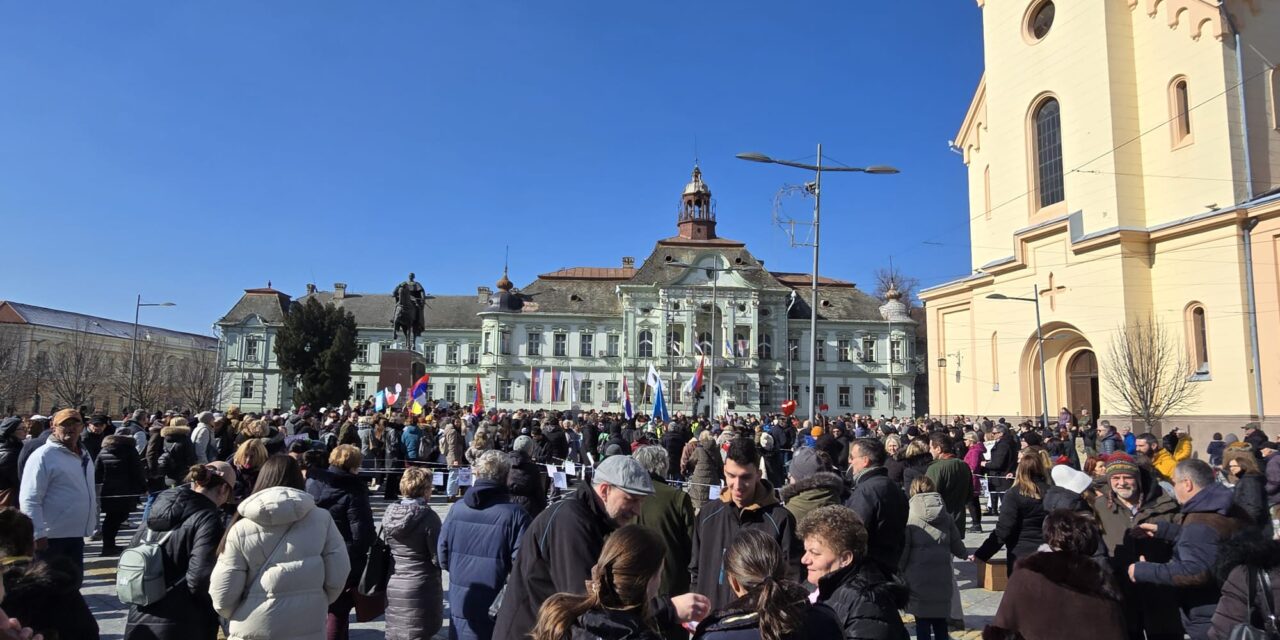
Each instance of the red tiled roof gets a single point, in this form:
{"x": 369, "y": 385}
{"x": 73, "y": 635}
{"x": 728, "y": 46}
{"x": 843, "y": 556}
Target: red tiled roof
{"x": 591, "y": 273}
{"x": 806, "y": 279}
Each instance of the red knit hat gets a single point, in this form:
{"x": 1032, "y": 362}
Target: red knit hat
{"x": 1121, "y": 463}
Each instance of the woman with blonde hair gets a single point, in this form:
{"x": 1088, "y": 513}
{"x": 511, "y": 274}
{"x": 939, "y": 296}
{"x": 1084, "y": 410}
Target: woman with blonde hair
{"x": 248, "y": 460}
{"x": 415, "y": 597}
{"x": 343, "y": 493}
{"x": 479, "y": 444}
{"x": 616, "y": 603}
{"x": 1019, "y": 527}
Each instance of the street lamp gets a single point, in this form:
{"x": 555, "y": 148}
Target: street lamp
{"x": 714, "y": 274}
{"x": 133, "y": 358}
{"x": 815, "y": 188}
{"x": 1044, "y": 389}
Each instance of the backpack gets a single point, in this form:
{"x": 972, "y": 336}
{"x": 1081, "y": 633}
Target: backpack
{"x": 426, "y": 448}
{"x": 140, "y": 572}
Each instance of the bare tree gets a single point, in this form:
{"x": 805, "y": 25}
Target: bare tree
{"x": 14, "y": 380}
{"x": 196, "y": 381}
{"x": 892, "y": 276}
{"x": 1149, "y": 372}
{"x": 77, "y": 369}
{"x": 143, "y": 378}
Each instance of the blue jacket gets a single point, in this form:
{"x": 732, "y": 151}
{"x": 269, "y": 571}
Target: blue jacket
{"x": 1209, "y": 519}
{"x": 1130, "y": 443}
{"x": 411, "y": 436}
{"x": 477, "y": 547}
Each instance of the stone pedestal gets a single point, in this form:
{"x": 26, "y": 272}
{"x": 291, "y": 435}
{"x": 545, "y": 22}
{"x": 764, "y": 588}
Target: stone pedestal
{"x": 403, "y": 367}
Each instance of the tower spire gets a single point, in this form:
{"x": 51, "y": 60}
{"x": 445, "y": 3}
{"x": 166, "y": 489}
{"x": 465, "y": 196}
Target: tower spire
{"x": 697, "y": 219}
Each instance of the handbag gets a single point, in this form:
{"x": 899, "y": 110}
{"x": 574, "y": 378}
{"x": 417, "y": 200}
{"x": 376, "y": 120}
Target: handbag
{"x": 370, "y": 592}
{"x": 1245, "y": 630}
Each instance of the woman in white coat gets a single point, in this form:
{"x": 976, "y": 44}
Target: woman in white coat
{"x": 305, "y": 567}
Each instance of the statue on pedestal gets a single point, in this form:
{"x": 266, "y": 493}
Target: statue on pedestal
{"x": 409, "y": 318}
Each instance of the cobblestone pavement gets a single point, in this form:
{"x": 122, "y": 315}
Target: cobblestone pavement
{"x": 99, "y": 588}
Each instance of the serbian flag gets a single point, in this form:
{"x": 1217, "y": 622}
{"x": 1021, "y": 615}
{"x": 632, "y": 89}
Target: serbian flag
{"x": 535, "y": 384}
{"x": 695, "y": 382}
{"x": 627, "y": 409}
{"x": 477, "y": 405}
{"x": 555, "y": 385}
{"x": 419, "y": 395}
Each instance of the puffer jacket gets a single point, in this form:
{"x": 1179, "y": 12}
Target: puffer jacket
{"x": 1164, "y": 461}
{"x": 819, "y": 490}
{"x": 477, "y": 547}
{"x": 119, "y": 472}
{"x": 307, "y": 567}
{"x": 1250, "y": 494}
{"x": 719, "y": 524}
{"x": 611, "y": 624}
{"x": 866, "y": 600}
{"x": 189, "y": 555}
{"x": 411, "y": 436}
{"x": 526, "y": 484}
{"x": 1019, "y": 527}
{"x": 177, "y": 456}
{"x": 346, "y": 497}
{"x": 10, "y": 449}
{"x": 707, "y": 470}
{"x": 932, "y": 540}
{"x": 415, "y": 602}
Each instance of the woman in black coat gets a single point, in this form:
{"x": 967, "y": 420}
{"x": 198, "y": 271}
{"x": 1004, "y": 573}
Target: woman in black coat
{"x": 31, "y": 587}
{"x": 1250, "y": 486}
{"x": 122, "y": 480}
{"x": 525, "y": 481}
{"x": 191, "y": 517}
{"x": 1022, "y": 513}
{"x": 346, "y": 497}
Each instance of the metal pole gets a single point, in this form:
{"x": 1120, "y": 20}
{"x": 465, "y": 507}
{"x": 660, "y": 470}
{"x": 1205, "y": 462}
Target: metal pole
{"x": 711, "y": 380}
{"x": 133, "y": 356}
{"x": 1044, "y": 388}
{"x": 1247, "y": 230}
{"x": 813, "y": 303}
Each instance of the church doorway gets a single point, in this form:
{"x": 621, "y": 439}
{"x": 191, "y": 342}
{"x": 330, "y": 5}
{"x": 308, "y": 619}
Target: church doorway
{"x": 1082, "y": 378}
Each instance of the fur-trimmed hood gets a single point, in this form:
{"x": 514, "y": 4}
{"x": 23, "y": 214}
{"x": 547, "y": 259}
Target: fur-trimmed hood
{"x": 175, "y": 431}
{"x": 1072, "y": 571}
{"x": 823, "y": 480}
{"x": 1248, "y": 548}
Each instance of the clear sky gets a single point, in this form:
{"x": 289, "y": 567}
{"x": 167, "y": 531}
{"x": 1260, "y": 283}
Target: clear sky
{"x": 187, "y": 151}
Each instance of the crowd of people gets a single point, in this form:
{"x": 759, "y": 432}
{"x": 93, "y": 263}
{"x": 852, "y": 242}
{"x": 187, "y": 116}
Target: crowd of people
{"x": 590, "y": 525}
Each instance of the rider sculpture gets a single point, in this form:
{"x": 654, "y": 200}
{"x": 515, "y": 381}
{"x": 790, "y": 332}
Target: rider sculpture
{"x": 409, "y": 319}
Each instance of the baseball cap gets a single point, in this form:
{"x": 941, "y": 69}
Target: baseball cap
{"x": 67, "y": 416}
{"x": 625, "y": 473}
{"x": 38, "y": 417}
{"x": 1251, "y": 425}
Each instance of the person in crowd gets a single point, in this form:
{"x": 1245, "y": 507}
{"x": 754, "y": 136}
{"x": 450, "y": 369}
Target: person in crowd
{"x": 411, "y": 438}
{"x": 395, "y": 460}
{"x": 341, "y": 492}
{"x": 893, "y": 458}
{"x": 813, "y": 484}
{"x": 415, "y": 604}
{"x": 525, "y": 481}
{"x": 879, "y": 502}
{"x": 479, "y": 445}
{"x": 748, "y": 502}
{"x": 223, "y": 438}
{"x": 915, "y": 460}
{"x": 279, "y": 527}
{"x": 1250, "y": 490}
{"x": 1164, "y": 457}
{"x": 1070, "y": 489}
{"x": 669, "y": 513}
{"x": 38, "y": 432}
{"x": 176, "y": 453}
{"x": 767, "y": 603}
{"x": 43, "y": 595}
{"x": 863, "y": 595}
{"x": 95, "y": 430}
{"x": 202, "y": 438}
{"x": 455, "y": 455}
{"x": 477, "y": 545}
{"x": 1216, "y": 446}
{"x": 1209, "y": 517}
{"x": 974, "y": 449}
{"x": 706, "y": 468}
{"x": 314, "y": 461}
{"x": 564, "y": 542}
{"x": 1108, "y": 441}
{"x": 932, "y": 540}
{"x": 674, "y": 441}
{"x": 248, "y": 461}
{"x": 951, "y": 476}
{"x": 616, "y": 603}
{"x": 135, "y": 427}
{"x": 12, "y": 432}
{"x": 59, "y": 493}
{"x": 122, "y": 480}
{"x": 188, "y": 521}
{"x": 1001, "y": 464}
{"x": 1079, "y": 594}
{"x": 1019, "y": 527}
{"x": 1245, "y": 568}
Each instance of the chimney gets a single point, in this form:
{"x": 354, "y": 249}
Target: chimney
{"x": 628, "y": 262}
{"x": 339, "y": 290}
{"x": 482, "y": 294}
{"x": 311, "y": 289}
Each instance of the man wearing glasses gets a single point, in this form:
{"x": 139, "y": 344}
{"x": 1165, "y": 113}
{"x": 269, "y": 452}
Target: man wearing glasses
{"x": 57, "y": 492}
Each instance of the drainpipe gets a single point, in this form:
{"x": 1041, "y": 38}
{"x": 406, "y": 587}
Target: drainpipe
{"x": 1244, "y": 112}
{"x": 1247, "y": 235}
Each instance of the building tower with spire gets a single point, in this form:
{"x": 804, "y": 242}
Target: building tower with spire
{"x": 697, "y": 211}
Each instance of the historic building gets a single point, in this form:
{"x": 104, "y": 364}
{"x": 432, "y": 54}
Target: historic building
{"x": 1123, "y": 161}
{"x": 570, "y": 337}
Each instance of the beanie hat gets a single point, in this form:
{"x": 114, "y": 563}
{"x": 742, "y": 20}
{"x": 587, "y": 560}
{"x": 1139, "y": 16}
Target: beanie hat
{"x": 1121, "y": 463}
{"x": 816, "y": 432}
{"x": 523, "y": 443}
{"x": 806, "y": 463}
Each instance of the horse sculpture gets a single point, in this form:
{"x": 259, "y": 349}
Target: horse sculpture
{"x": 409, "y": 317}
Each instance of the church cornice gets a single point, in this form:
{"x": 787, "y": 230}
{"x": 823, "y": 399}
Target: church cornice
{"x": 1196, "y": 13}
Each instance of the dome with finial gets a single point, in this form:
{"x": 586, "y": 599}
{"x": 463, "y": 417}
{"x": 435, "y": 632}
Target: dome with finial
{"x": 504, "y": 283}
{"x": 505, "y": 300}
{"x": 696, "y": 185}
{"x": 894, "y": 310}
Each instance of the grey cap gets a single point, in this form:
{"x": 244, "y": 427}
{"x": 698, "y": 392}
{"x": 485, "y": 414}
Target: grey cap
{"x": 626, "y": 473}
{"x": 523, "y": 443}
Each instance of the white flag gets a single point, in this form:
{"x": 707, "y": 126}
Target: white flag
{"x": 653, "y": 379}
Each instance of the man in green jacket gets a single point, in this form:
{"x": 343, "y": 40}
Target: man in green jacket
{"x": 668, "y": 512}
{"x": 950, "y": 475}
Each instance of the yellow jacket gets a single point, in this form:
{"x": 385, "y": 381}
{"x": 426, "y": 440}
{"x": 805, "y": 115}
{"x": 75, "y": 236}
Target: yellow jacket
{"x": 1164, "y": 462}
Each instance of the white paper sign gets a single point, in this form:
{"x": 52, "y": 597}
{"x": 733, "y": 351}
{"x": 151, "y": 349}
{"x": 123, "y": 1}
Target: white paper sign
{"x": 437, "y": 478}
{"x": 551, "y": 470}
{"x": 714, "y": 494}
{"x": 464, "y": 476}
{"x": 570, "y": 468}
{"x": 560, "y": 480}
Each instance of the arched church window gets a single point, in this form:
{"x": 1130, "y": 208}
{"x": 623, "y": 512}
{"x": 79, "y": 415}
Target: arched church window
{"x": 1047, "y": 154}
{"x": 1180, "y": 110}
{"x": 646, "y": 344}
{"x": 1198, "y": 333}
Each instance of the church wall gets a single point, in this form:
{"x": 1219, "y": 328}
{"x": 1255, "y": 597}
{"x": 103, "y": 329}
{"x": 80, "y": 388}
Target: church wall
{"x": 1266, "y": 264}
{"x": 1262, "y": 94}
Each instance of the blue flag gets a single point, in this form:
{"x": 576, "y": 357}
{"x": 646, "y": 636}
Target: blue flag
{"x": 660, "y": 406}
{"x": 379, "y": 402}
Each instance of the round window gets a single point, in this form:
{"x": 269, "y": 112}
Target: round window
{"x": 1040, "y": 20}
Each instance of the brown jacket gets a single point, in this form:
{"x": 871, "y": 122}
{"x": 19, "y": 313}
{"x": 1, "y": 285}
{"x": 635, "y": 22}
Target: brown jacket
{"x": 1083, "y": 596}
{"x": 455, "y": 446}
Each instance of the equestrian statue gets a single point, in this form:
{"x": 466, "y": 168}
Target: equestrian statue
{"x": 409, "y": 319}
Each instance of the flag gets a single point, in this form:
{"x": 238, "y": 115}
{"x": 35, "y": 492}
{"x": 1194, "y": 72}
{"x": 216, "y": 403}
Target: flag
{"x": 695, "y": 383}
{"x": 575, "y": 383}
{"x": 392, "y": 396}
{"x": 477, "y": 406}
{"x": 728, "y": 348}
{"x": 627, "y": 410}
{"x": 419, "y": 387}
{"x": 379, "y": 402}
{"x": 555, "y": 385}
{"x": 743, "y": 348}
{"x": 660, "y": 407}
{"x": 653, "y": 379}
{"x": 535, "y": 381}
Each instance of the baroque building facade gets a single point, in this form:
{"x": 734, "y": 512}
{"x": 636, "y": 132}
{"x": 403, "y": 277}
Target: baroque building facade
{"x": 569, "y": 338}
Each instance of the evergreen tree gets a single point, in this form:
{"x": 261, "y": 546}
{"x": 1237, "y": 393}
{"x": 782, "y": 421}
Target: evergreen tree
{"x": 315, "y": 348}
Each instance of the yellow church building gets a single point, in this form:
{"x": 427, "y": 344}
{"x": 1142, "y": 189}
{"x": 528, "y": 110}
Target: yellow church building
{"x": 1124, "y": 163}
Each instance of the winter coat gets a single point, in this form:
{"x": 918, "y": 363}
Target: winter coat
{"x": 882, "y": 507}
{"x": 954, "y": 482}
{"x": 673, "y": 441}
{"x": 30, "y": 586}
{"x": 185, "y": 612}
{"x": 202, "y": 443}
{"x": 29, "y": 447}
{"x": 932, "y": 540}
{"x": 1272, "y": 471}
{"x": 896, "y": 469}
{"x": 526, "y": 483}
{"x": 1019, "y": 527}
{"x": 415, "y": 600}
{"x": 346, "y": 497}
{"x": 1164, "y": 462}
{"x": 741, "y": 621}
{"x": 866, "y": 600}
{"x": 176, "y": 456}
{"x": 58, "y": 492}
{"x": 224, "y": 444}
{"x": 455, "y": 446}
{"x": 819, "y": 490}
{"x": 707, "y": 470}
{"x": 557, "y": 444}
{"x": 612, "y": 624}
{"x": 1004, "y": 456}
{"x": 1110, "y": 443}
{"x": 1250, "y": 494}
{"x": 719, "y": 524}
{"x": 135, "y": 430}
{"x": 10, "y": 449}
{"x": 914, "y": 467}
{"x": 478, "y": 544}
{"x": 1056, "y": 589}
{"x": 1239, "y": 564}
{"x": 410, "y": 438}
{"x": 120, "y": 474}
{"x": 669, "y": 513}
{"x": 307, "y": 568}
{"x": 973, "y": 458}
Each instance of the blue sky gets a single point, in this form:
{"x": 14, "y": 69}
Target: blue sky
{"x": 187, "y": 151}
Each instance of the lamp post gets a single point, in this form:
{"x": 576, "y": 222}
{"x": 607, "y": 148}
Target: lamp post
{"x": 133, "y": 358}
{"x": 714, "y": 274}
{"x": 1044, "y": 389}
{"x": 815, "y": 188}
